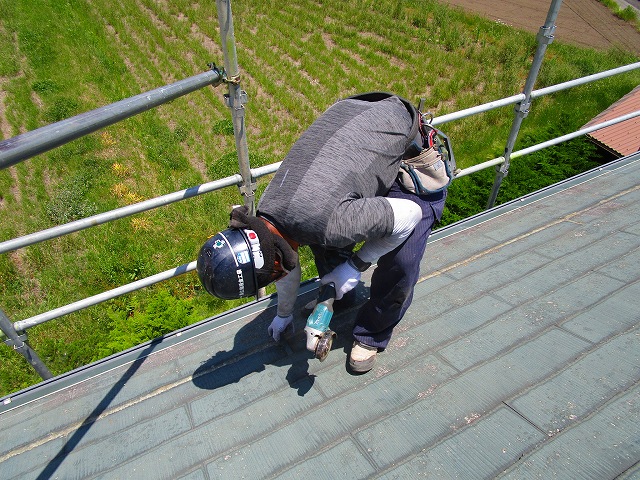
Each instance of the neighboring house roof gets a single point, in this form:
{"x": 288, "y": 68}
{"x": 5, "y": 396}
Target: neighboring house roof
{"x": 622, "y": 138}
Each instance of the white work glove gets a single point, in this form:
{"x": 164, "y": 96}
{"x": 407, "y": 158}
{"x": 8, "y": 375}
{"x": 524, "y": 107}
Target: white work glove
{"x": 279, "y": 325}
{"x": 344, "y": 277}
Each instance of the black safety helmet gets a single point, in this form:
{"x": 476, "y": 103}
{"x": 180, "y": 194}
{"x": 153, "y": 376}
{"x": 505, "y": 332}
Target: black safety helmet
{"x": 244, "y": 258}
{"x": 227, "y": 265}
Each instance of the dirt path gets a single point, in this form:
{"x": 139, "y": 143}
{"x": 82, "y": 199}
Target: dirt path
{"x": 582, "y": 22}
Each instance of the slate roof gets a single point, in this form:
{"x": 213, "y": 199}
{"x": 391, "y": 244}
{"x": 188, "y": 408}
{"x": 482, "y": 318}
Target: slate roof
{"x": 622, "y": 138}
{"x": 519, "y": 358}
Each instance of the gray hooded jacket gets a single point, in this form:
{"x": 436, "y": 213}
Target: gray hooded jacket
{"x": 328, "y": 189}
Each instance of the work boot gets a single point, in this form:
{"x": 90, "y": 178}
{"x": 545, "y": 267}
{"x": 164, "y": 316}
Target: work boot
{"x": 362, "y": 357}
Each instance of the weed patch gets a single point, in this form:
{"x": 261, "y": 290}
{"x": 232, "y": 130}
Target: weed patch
{"x": 131, "y": 326}
{"x": 627, "y": 13}
{"x": 69, "y": 202}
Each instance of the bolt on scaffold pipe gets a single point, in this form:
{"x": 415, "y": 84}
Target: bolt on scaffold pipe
{"x": 20, "y": 345}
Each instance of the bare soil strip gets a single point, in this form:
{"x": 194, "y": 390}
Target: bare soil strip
{"x": 587, "y": 23}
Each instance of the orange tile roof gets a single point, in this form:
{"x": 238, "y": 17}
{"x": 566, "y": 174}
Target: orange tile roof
{"x": 622, "y": 138}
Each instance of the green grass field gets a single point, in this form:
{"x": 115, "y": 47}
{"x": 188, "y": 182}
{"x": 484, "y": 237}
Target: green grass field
{"x": 60, "y": 58}
{"x": 627, "y": 13}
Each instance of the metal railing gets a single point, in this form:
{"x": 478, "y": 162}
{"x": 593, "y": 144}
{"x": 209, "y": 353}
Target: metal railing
{"x": 22, "y": 147}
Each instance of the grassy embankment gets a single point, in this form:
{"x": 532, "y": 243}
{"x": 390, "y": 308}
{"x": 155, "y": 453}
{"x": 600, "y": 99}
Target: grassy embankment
{"x": 627, "y": 13}
{"x": 64, "y": 58}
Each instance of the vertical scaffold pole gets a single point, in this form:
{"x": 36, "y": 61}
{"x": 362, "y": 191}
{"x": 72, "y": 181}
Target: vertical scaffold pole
{"x": 19, "y": 344}
{"x": 545, "y": 37}
{"x": 236, "y": 100}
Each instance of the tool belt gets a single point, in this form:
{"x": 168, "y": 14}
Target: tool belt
{"x": 430, "y": 169}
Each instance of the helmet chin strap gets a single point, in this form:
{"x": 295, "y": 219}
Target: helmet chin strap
{"x": 272, "y": 244}
{"x": 273, "y": 229}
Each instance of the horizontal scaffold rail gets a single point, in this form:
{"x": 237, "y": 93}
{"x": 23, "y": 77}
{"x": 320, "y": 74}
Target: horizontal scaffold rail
{"x": 27, "y": 145}
{"x": 548, "y": 143}
{"x": 512, "y": 100}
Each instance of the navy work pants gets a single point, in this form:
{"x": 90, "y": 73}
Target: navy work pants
{"x": 396, "y": 274}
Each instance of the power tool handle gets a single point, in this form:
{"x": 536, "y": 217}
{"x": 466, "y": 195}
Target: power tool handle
{"x": 327, "y": 292}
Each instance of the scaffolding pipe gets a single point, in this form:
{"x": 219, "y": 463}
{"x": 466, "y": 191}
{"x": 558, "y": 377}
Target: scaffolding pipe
{"x": 576, "y": 134}
{"x": 116, "y": 214}
{"x": 545, "y": 37}
{"x": 35, "y": 142}
{"x": 38, "y": 141}
{"x": 503, "y": 102}
{"x": 104, "y": 296}
{"x": 548, "y": 143}
{"x": 485, "y": 107}
{"x": 584, "y": 80}
{"x": 236, "y": 100}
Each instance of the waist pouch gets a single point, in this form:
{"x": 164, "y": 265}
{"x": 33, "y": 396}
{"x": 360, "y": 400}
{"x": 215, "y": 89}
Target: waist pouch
{"x": 432, "y": 169}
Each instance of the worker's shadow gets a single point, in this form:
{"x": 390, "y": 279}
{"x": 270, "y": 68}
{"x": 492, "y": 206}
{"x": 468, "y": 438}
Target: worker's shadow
{"x": 253, "y": 349}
